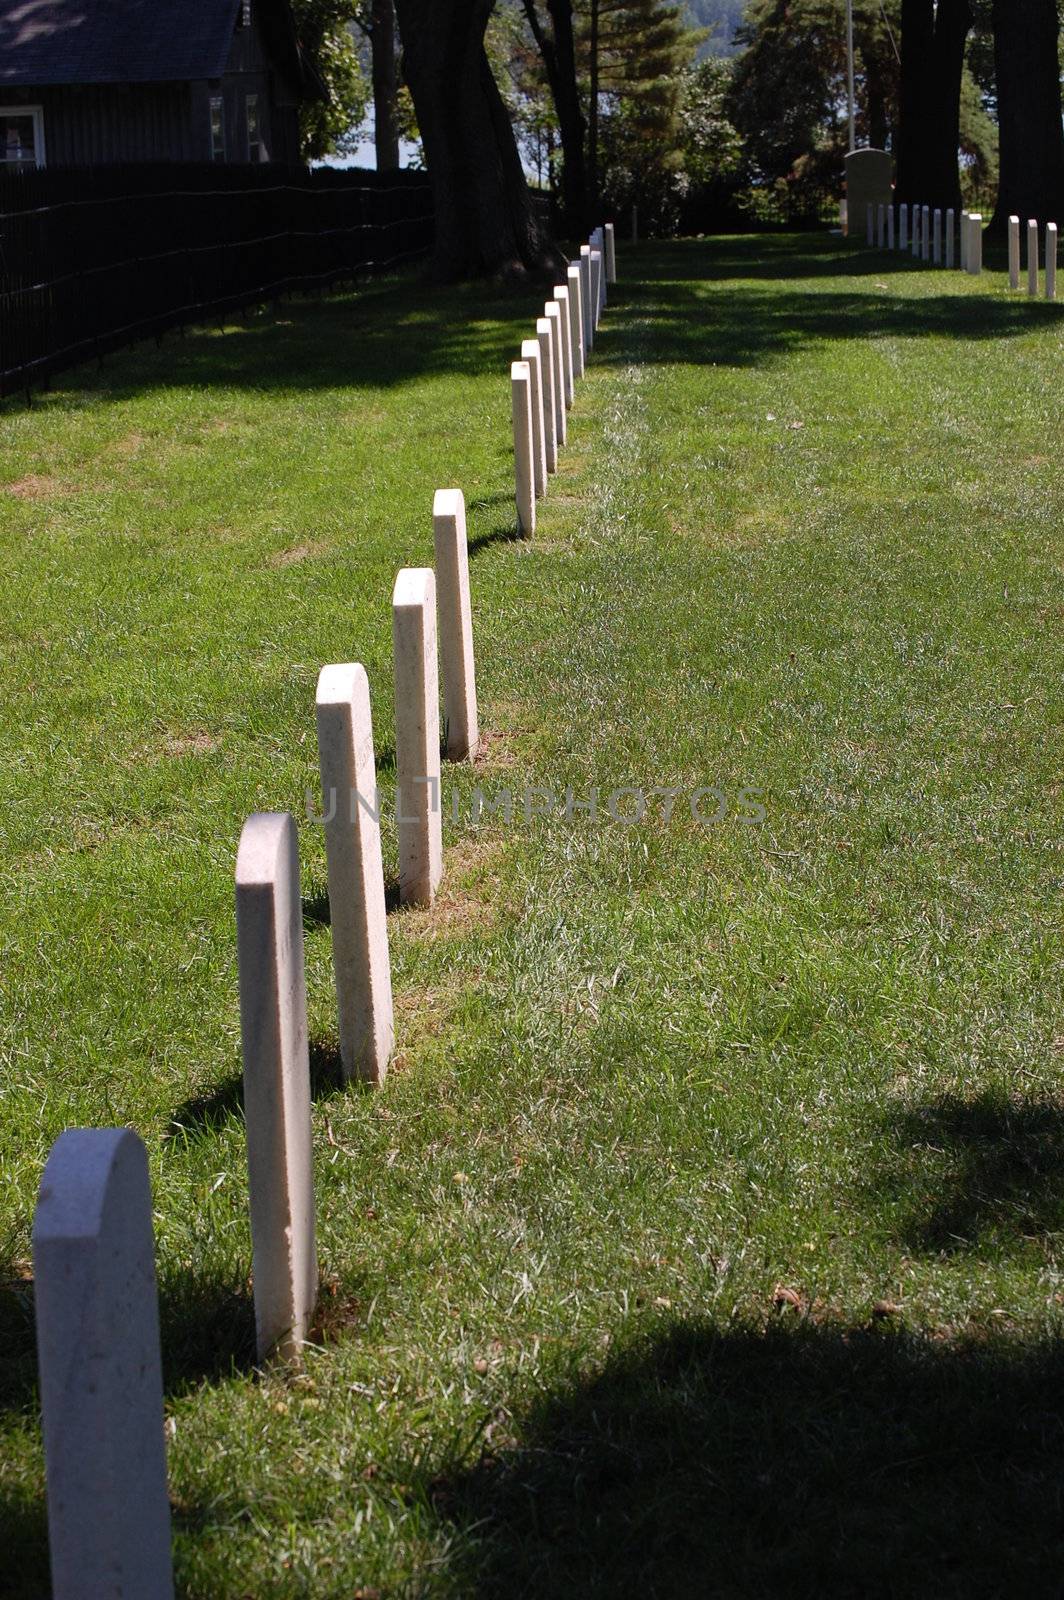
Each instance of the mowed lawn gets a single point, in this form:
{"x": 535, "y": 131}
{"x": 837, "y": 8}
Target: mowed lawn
{"x": 707, "y": 1235}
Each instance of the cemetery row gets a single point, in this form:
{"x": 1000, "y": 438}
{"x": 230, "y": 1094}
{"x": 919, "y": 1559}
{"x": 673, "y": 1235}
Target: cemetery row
{"x": 934, "y": 239}
{"x": 93, "y": 1247}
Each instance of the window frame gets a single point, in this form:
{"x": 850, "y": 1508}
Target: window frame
{"x": 251, "y": 104}
{"x": 40, "y": 152}
{"x": 216, "y": 102}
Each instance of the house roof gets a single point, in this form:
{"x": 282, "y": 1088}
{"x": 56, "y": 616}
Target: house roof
{"x": 133, "y": 41}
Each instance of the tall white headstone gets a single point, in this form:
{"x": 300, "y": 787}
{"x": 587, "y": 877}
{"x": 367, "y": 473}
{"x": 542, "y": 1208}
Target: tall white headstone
{"x": 524, "y": 470}
{"x": 903, "y": 230}
{"x": 574, "y": 278}
{"x": 273, "y": 1029}
{"x": 881, "y": 225}
{"x": 1032, "y": 257}
{"x": 890, "y": 228}
{"x": 357, "y": 911}
{"x": 455, "y": 612}
{"x": 418, "y": 805}
{"x": 925, "y": 234}
{"x": 101, "y": 1379}
{"x": 611, "y": 254}
{"x": 951, "y": 228}
{"x": 1014, "y": 252}
{"x": 966, "y": 235}
{"x": 553, "y": 313}
{"x": 917, "y": 219}
{"x": 561, "y": 300}
{"x": 975, "y": 244}
{"x": 937, "y": 237}
{"x": 550, "y": 392}
{"x": 530, "y": 354}
{"x": 587, "y": 301}
{"x": 1051, "y": 261}
{"x": 597, "y": 282}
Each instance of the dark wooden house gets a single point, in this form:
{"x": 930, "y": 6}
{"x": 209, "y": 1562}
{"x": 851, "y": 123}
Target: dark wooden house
{"x": 89, "y": 82}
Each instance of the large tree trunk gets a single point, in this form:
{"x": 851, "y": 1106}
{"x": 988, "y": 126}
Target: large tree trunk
{"x": 558, "y": 49}
{"x": 385, "y": 85}
{"x": 1026, "y": 59}
{"x": 932, "y": 65}
{"x": 484, "y": 217}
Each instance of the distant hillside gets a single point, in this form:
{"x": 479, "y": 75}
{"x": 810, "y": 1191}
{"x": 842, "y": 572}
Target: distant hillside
{"x": 723, "y": 16}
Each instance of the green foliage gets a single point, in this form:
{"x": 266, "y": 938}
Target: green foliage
{"x": 720, "y": 19}
{"x": 325, "y": 31}
{"x": 713, "y": 151}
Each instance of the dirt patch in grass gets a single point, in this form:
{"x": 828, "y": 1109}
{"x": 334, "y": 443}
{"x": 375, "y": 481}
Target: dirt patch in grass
{"x": 198, "y": 743}
{"x": 295, "y": 554}
{"x": 38, "y": 486}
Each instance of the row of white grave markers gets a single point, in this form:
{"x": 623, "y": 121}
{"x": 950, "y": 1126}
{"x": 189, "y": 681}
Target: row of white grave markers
{"x": 1033, "y": 252}
{"x": 543, "y": 379}
{"x": 93, "y": 1249}
{"x": 930, "y": 234}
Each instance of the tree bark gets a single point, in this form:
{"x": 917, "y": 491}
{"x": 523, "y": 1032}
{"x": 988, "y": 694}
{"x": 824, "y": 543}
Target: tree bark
{"x": 485, "y": 223}
{"x": 1026, "y": 59}
{"x": 385, "y": 85}
{"x": 558, "y": 49}
{"x": 932, "y": 65}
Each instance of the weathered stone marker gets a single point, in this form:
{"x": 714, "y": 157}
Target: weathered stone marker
{"x": 1051, "y": 261}
{"x": 917, "y": 216}
{"x": 597, "y": 283}
{"x": 524, "y": 471}
{"x": 611, "y": 254}
{"x": 965, "y": 238}
{"x": 565, "y": 321}
{"x": 553, "y": 313}
{"x": 1014, "y": 252}
{"x": 101, "y": 1377}
{"x": 903, "y": 231}
{"x": 356, "y": 872}
{"x": 1032, "y": 257}
{"x": 950, "y": 232}
{"x": 530, "y": 354}
{"x": 273, "y": 1030}
{"x": 576, "y": 318}
{"x": 975, "y": 244}
{"x": 587, "y": 303}
{"x": 550, "y": 392}
{"x": 455, "y": 613}
{"x": 890, "y": 228}
{"x": 599, "y": 244}
{"x": 925, "y": 234}
{"x": 419, "y": 811}
{"x": 937, "y": 237}
{"x": 881, "y": 226}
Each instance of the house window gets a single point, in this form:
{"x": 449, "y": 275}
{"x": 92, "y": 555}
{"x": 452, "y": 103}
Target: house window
{"x": 217, "y": 128}
{"x": 21, "y": 136}
{"x": 256, "y": 148}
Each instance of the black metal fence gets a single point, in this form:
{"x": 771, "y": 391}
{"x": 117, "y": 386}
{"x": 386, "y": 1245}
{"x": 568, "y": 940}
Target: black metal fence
{"x": 95, "y": 258}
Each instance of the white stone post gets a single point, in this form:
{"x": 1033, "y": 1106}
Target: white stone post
{"x": 966, "y": 234}
{"x": 357, "y": 912}
{"x": 937, "y": 238}
{"x": 951, "y": 229}
{"x": 554, "y": 314}
{"x": 597, "y": 284}
{"x": 455, "y": 613}
{"x": 611, "y": 254}
{"x": 530, "y": 354}
{"x": 587, "y": 303}
{"x": 916, "y": 231}
{"x": 417, "y": 736}
{"x": 565, "y": 330}
{"x": 903, "y": 231}
{"x": 925, "y": 234}
{"x": 576, "y": 318}
{"x": 870, "y": 224}
{"x": 273, "y": 1029}
{"x": 550, "y": 392}
{"x": 1051, "y": 261}
{"x": 101, "y": 1379}
{"x": 524, "y": 470}
{"x": 1032, "y": 257}
{"x": 1014, "y": 252}
{"x": 975, "y": 244}
{"x": 890, "y": 228}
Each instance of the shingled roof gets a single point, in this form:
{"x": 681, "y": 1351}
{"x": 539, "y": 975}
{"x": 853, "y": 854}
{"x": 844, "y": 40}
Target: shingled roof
{"x": 131, "y": 41}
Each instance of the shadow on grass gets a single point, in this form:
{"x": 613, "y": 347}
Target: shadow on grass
{"x": 806, "y": 1462}
{"x": 985, "y": 1173}
{"x": 210, "y": 1113}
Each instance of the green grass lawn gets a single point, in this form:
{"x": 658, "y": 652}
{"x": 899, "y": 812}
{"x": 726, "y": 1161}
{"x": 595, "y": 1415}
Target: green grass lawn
{"x": 708, "y": 1235}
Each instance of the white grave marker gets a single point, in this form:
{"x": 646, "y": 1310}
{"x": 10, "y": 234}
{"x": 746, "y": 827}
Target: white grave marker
{"x": 273, "y": 1030}
{"x": 890, "y": 228}
{"x": 870, "y": 223}
{"x": 417, "y": 735}
{"x": 611, "y": 254}
{"x": 101, "y": 1378}
{"x": 559, "y": 340}
{"x": 357, "y": 911}
{"x": 530, "y": 355}
{"x": 881, "y": 236}
{"x": 574, "y": 279}
{"x": 550, "y": 392}
{"x": 975, "y": 244}
{"x": 903, "y": 230}
{"x": 587, "y": 303}
{"x": 937, "y": 237}
{"x": 561, "y": 300}
{"x": 950, "y": 232}
{"x": 1014, "y": 252}
{"x": 1032, "y": 257}
{"x": 597, "y": 282}
{"x": 455, "y": 613}
{"x": 925, "y": 234}
{"x": 1051, "y": 261}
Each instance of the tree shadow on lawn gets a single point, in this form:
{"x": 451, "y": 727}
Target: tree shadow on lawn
{"x": 811, "y": 1462}
{"x": 983, "y": 1173}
